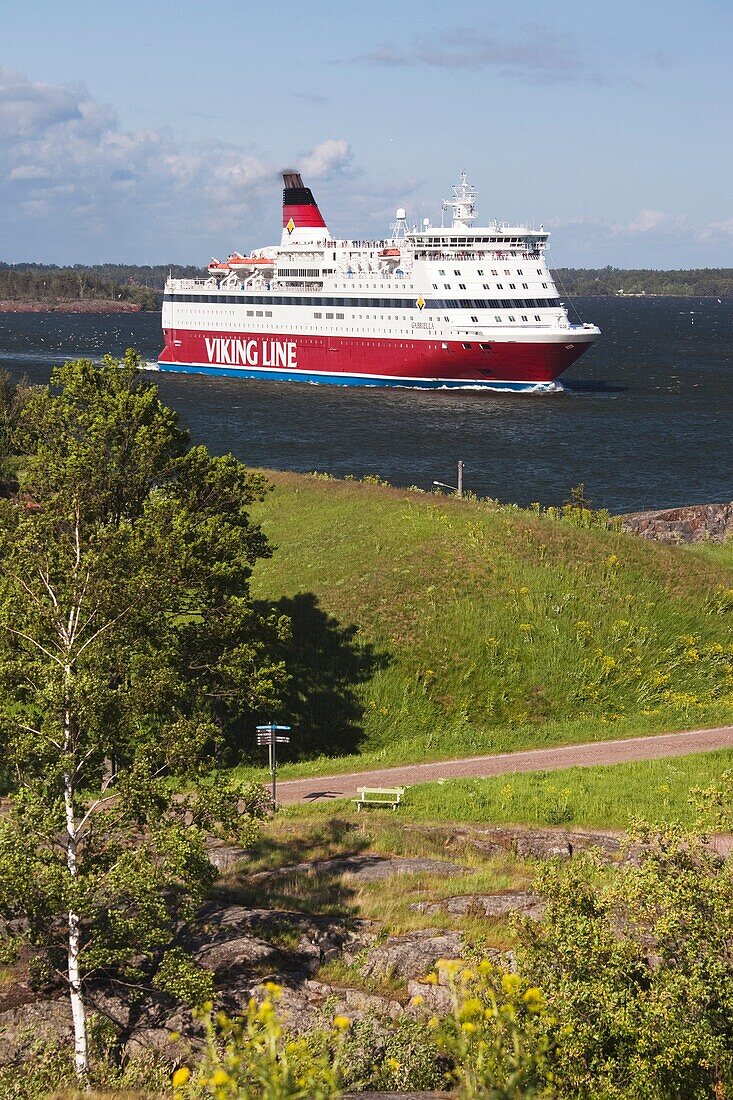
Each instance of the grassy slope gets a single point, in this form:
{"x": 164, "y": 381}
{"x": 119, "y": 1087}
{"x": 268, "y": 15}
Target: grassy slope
{"x": 465, "y": 628}
{"x": 605, "y": 797}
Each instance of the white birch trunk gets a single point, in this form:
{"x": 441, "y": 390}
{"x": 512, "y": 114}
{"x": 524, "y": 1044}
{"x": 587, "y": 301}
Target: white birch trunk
{"x": 78, "y": 1009}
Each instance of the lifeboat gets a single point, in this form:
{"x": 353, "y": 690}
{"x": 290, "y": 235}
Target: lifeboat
{"x": 390, "y": 252}
{"x": 216, "y": 267}
{"x": 251, "y": 263}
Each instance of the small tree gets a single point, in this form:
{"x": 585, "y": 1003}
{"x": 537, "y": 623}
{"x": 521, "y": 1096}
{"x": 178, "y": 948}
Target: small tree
{"x": 125, "y": 618}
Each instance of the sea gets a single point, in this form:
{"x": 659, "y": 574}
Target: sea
{"x": 644, "y": 420}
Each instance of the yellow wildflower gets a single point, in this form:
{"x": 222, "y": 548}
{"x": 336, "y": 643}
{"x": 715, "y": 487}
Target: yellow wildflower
{"x": 181, "y": 1076}
{"x": 341, "y": 1023}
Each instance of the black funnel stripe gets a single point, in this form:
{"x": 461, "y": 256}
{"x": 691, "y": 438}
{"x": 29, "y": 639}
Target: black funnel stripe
{"x": 298, "y": 196}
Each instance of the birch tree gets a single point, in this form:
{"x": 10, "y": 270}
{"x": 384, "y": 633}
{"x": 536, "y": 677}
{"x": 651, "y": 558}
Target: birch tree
{"x": 125, "y": 625}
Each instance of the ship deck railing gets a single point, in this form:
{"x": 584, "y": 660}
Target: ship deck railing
{"x": 476, "y": 254}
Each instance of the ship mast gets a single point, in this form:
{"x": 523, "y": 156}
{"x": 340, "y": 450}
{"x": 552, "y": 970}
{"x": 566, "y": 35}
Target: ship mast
{"x": 462, "y": 203}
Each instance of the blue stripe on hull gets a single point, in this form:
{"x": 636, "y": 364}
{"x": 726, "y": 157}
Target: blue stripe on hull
{"x": 361, "y": 379}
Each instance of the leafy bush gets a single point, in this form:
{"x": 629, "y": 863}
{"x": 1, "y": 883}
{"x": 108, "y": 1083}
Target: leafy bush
{"x": 252, "y": 1056}
{"x": 635, "y": 962}
{"x": 401, "y": 1055}
{"x": 500, "y": 1035}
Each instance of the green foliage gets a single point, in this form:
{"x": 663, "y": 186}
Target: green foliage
{"x": 399, "y": 1056}
{"x": 253, "y": 1056}
{"x": 635, "y": 964}
{"x": 47, "y": 1073}
{"x": 12, "y": 398}
{"x": 500, "y": 1035}
{"x": 128, "y": 646}
{"x": 51, "y": 284}
{"x": 696, "y": 282}
{"x": 183, "y": 979}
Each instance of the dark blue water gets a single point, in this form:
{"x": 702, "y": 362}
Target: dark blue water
{"x": 645, "y": 422}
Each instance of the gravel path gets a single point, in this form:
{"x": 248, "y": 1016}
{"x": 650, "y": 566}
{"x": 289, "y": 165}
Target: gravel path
{"x": 567, "y": 756}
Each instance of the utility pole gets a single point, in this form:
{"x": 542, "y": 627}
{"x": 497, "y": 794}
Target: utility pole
{"x": 268, "y": 735}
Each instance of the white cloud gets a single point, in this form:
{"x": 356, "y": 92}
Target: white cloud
{"x": 29, "y": 172}
{"x": 652, "y": 238}
{"x": 646, "y": 220}
{"x": 76, "y": 185}
{"x": 325, "y": 159}
{"x": 539, "y": 56}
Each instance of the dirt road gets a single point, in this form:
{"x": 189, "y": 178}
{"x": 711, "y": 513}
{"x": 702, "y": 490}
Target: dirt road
{"x": 567, "y": 756}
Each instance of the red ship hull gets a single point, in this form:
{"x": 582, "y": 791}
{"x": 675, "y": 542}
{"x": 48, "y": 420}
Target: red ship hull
{"x": 499, "y": 364}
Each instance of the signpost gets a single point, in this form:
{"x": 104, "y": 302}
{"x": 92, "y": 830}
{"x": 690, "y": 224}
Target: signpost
{"x": 457, "y": 489}
{"x": 271, "y": 735}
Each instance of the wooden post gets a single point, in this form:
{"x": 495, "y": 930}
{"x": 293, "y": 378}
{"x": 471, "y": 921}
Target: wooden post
{"x": 459, "y": 491}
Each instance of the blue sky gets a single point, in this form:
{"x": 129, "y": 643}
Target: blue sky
{"x": 154, "y": 132}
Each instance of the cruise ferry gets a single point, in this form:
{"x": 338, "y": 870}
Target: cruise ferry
{"x": 438, "y": 307}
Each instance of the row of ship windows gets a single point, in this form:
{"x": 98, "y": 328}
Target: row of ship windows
{"x": 340, "y": 317}
{"x": 487, "y": 286}
{"x": 368, "y": 303}
{"x": 494, "y": 271}
{"x": 303, "y": 272}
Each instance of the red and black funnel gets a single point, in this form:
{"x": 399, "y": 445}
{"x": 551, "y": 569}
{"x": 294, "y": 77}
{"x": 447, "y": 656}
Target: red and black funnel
{"x": 300, "y": 210}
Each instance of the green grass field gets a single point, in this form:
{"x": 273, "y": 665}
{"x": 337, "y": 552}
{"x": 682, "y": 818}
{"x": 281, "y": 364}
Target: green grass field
{"x": 611, "y": 796}
{"x": 427, "y": 627}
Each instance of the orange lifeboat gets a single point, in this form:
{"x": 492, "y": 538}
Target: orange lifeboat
{"x": 216, "y": 267}
{"x": 390, "y": 252}
{"x": 253, "y": 262}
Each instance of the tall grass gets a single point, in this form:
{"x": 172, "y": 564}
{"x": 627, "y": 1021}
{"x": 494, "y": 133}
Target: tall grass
{"x": 484, "y": 628}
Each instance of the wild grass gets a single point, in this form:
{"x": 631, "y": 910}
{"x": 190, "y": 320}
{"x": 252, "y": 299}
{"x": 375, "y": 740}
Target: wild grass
{"x": 610, "y": 796}
{"x": 429, "y": 627}
{"x": 284, "y": 874}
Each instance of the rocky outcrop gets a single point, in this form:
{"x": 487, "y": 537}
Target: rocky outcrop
{"x": 694, "y": 523}
{"x": 485, "y": 905}
{"x": 367, "y": 868}
{"x": 412, "y": 954}
{"x": 524, "y": 842}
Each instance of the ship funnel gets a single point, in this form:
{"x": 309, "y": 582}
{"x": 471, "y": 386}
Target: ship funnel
{"x": 300, "y": 210}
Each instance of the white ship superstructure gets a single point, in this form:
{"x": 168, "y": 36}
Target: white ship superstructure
{"x": 431, "y": 306}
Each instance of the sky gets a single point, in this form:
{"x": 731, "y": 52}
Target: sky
{"x": 155, "y": 132}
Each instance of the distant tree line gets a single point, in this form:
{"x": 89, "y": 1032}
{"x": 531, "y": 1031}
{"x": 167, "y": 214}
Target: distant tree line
{"x": 142, "y": 286}
{"x": 714, "y": 282}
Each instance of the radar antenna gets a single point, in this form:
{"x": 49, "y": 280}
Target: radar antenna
{"x": 399, "y": 225}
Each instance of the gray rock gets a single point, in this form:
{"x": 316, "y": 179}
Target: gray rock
{"x": 695, "y": 523}
{"x": 25, "y": 1027}
{"x": 225, "y": 857}
{"x": 436, "y": 999}
{"x": 488, "y": 905}
{"x": 355, "y": 1003}
{"x": 412, "y": 954}
{"x": 235, "y": 953}
{"x": 526, "y": 842}
{"x": 368, "y": 868}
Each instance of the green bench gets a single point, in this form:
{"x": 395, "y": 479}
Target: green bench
{"x": 379, "y": 796}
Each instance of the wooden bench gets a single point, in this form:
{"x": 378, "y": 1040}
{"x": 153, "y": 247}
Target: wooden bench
{"x": 379, "y": 796}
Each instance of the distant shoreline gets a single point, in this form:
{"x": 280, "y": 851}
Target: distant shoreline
{"x": 83, "y": 305}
